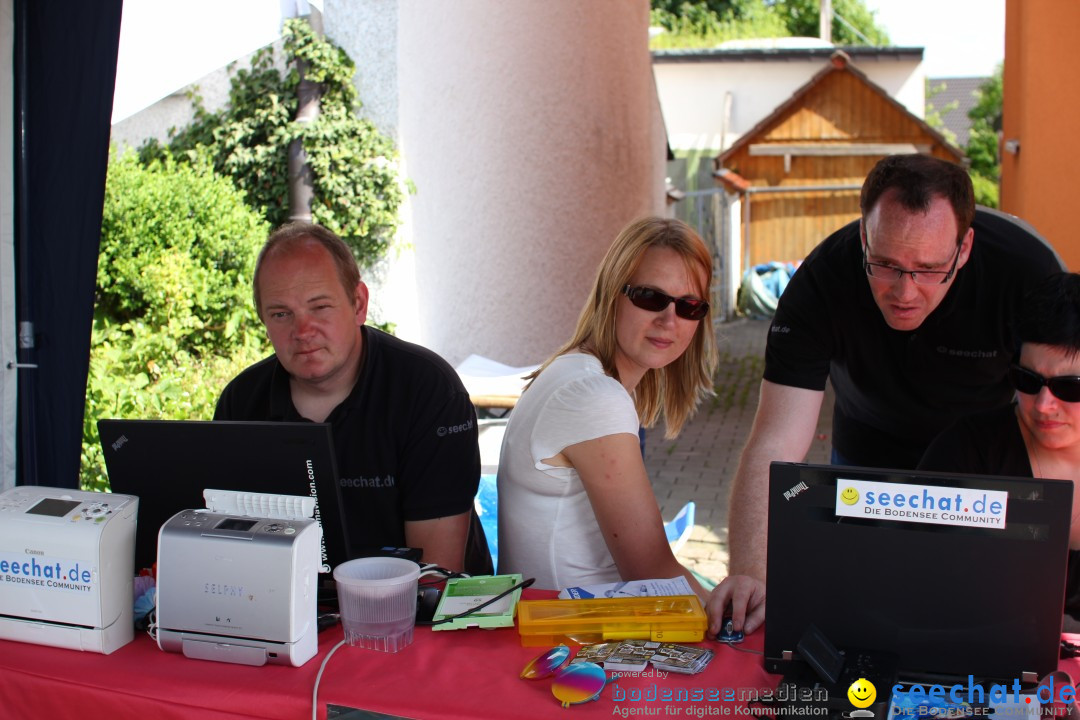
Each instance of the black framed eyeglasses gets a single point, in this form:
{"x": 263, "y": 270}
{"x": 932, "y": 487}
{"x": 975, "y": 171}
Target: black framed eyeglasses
{"x": 1029, "y": 382}
{"x": 646, "y": 298}
{"x": 891, "y": 273}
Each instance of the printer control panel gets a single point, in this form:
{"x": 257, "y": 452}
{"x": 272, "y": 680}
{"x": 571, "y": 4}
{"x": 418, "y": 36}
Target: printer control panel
{"x": 60, "y": 505}
{"x": 218, "y": 525}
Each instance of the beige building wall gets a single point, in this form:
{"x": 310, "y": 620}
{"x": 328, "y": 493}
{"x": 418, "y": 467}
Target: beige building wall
{"x": 1040, "y": 178}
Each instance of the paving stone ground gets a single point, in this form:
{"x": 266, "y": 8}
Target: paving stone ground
{"x": 700, "y": 464}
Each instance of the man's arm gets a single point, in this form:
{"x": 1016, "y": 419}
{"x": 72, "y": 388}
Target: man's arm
{"x": 783, "y": 430}
{"x": 439, "y": 474}
{"x": 443, "y": 539}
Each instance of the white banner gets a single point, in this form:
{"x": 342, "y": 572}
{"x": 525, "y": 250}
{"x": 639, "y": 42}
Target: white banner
{"x": 929, "y": 504}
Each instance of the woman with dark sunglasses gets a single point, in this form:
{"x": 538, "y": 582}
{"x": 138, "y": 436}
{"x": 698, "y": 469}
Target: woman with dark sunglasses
{"x": 575, "y": 504}
{"x": 1039, "y": 434}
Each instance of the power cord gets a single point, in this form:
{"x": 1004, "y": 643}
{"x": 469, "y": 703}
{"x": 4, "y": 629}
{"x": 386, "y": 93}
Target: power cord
{"x": 318, "y": 678}
{"x": 745, "y": 650}
{"x": 441, "y": 572}
{"x": 470, "y": 611}
{"x": 152, "y": 627}
{"x": 151, "y": 619}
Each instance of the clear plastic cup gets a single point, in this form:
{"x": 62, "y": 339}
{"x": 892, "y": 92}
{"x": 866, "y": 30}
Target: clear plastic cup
{"x": 377, "y": 600}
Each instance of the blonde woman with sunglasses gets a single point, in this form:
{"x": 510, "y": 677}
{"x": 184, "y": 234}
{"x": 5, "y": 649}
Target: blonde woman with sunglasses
{"x": 575, "y": 503}
{"x": 1039, "y": 434}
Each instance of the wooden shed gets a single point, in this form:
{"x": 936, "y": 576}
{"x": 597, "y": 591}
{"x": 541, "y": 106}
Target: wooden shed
{"x": 797, "y": 173}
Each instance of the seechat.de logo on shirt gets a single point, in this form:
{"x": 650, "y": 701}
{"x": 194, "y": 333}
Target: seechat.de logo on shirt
{"x": 931, "y": 504}
{"x": 445, "y": 430}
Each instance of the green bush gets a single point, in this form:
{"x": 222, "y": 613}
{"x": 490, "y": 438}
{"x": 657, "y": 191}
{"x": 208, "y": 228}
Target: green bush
{"x": 986, "y": 189}
{"x": 174, "y": 319}
{"x": 178, "y": 246}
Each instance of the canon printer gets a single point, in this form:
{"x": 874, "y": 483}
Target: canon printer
{"x": 237, "y": 582}
{"x": 66, "y": 567}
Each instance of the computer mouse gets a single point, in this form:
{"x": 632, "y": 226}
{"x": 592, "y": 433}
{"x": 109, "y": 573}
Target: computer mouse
{"x": 427, "y": 600}
{"x": 728, "y": 634}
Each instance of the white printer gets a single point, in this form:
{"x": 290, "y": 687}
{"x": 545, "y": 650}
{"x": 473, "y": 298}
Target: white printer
{"x": 66, "y": 567}
{"x": 238, "y": 582}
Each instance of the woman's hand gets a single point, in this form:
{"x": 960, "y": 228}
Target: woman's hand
{"x": 746, "y": 598}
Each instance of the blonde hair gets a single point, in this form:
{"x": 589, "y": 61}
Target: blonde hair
{"x": 676, "y": 389}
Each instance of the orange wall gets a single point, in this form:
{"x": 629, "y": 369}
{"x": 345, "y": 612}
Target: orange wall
{"x": 1041, "y": 183}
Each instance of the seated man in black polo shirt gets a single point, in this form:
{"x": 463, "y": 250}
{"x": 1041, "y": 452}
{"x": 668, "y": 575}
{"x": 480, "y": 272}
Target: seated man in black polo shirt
{"x": 908, "y": 312}
{"x": 404, "y": 429}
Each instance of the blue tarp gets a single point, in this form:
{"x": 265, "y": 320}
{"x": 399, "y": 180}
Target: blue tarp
{"x": 761, "y": 288}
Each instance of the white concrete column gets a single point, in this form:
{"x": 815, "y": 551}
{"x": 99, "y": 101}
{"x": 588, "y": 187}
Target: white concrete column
{"x": 529, "y": 131}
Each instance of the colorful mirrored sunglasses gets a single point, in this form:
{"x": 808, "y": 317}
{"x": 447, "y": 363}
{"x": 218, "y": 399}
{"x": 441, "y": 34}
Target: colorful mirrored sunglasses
{"x": 688, "y": 308}
{"x": 573, "y": 684}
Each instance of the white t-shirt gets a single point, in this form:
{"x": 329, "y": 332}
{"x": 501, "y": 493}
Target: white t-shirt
{"x": 547, "y": 527}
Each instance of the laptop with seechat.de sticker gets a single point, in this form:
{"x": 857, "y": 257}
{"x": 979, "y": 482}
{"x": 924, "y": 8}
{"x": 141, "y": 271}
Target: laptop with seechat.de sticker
{"x": 168, "y": 463}
{"x": 947, "y": 575}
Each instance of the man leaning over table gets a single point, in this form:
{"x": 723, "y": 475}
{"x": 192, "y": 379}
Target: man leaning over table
{"x": 404, "y": 430}
{"x": 907, "y": 312}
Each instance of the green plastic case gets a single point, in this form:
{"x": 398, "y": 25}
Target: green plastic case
{"x": 462, "y": 593}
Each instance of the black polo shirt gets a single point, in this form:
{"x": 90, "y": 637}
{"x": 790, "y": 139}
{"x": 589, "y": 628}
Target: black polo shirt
{"x": 895, "y": 390}
{"x": 405, "y": 437}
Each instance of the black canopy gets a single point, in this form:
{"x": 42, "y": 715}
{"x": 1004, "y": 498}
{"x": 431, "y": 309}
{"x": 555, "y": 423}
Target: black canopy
{"x": 65, "y": 70}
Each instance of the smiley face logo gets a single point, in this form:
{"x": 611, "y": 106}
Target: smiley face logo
{"x": 862, "y": 692}
{"x": 849, "y": 496}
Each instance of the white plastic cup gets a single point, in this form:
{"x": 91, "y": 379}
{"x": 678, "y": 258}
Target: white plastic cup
{"x": 377, "y": 600}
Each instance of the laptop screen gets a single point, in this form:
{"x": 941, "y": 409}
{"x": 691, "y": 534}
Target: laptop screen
{"x": 168, "y": 464}
{"x": 955, "y": 574}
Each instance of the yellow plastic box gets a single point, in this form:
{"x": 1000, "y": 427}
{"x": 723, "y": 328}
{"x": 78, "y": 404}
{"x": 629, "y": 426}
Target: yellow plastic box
{"x": 666, "y": 618}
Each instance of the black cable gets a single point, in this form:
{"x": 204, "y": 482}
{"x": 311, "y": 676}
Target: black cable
{"x": 521, "y": 585}
{"x": 734, "y": 646}
{"x": 446, "y": 575}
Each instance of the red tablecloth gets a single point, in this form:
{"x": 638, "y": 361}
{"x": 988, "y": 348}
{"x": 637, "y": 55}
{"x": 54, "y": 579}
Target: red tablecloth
{"x": 448, "y": 674}
{"x": 462, "y": 674}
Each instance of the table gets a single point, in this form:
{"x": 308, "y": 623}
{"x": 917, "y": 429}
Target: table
{"x": 462, "y": 674}
{"x": 447, "y": 674}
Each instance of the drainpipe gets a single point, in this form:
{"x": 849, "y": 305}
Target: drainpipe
{"x": 301, "y": 185}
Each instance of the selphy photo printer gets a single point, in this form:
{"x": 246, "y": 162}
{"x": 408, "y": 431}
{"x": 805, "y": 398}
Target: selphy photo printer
{"x": 238, "y": 582}
{"x": 66, "y": 567}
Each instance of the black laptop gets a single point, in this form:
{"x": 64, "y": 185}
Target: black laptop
{"x": 947, "y": 575}
{"x": 168, "y": 463}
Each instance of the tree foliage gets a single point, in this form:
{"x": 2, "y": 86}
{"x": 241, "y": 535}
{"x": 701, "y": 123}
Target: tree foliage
{"x": 354, "y": 167}
{"x": 706, "y": 23}
{"x": 860, "y": 28}
{"x": 983, "y": 141}
{"x": 174, "y": 319}
{"x": 935, "y": 116}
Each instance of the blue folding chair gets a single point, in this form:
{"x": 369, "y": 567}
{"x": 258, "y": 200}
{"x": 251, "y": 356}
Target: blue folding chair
{"x": 487, "y": 507}
{"x": 679, "y": 529}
